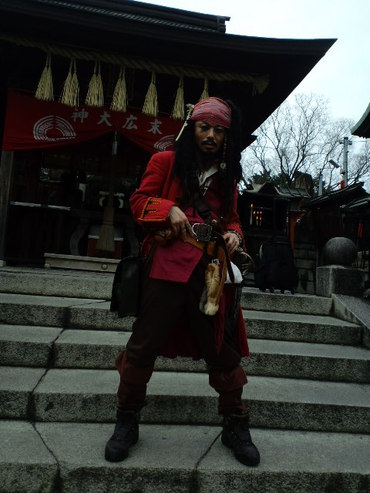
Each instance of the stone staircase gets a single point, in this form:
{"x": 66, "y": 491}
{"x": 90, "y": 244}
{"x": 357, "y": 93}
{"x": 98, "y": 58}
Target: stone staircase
{"x": 308, "y": 391}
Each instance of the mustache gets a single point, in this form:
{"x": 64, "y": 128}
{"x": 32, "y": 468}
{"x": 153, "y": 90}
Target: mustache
{"x": 209, "y": 142}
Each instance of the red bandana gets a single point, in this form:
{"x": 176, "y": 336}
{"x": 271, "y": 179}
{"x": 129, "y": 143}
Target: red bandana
{"x": 213, "y": 111}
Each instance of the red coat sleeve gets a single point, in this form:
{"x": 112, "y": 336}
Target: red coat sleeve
{"x": 148, "y": 204}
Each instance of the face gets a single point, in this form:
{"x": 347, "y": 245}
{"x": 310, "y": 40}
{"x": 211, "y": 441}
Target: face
{"x": 208, "y": 139}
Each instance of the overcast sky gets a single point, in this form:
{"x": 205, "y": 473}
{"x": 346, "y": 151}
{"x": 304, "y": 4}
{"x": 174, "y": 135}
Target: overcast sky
{"x": 342, "y": 75}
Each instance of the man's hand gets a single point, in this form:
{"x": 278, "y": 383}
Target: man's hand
{"x": 179, "y": 223}
{"x": 232, "y": 242}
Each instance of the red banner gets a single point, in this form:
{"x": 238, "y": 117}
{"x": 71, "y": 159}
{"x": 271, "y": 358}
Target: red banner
{"x": 34, "y": 124}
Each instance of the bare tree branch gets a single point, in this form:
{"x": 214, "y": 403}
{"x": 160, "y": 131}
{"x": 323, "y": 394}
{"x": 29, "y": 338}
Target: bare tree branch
{"x": 300, "y": 137}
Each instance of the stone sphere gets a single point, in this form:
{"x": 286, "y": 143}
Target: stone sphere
{"x": 339, "y": 251}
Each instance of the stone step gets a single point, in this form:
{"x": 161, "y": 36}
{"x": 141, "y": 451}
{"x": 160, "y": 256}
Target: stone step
{"x": 325, "y": 362}
{"x": 69, "y": 457}
{"x": 48, "y": 346}
{"x": 53, "y": 311}
{"x": 98, "y": 285}
{"x": 186, "y": 398}
{"x": 254, "y": 299}
{"x": 76, "y": 348}
{"x": 301, "y": 327}
{"x": 16, "y": 388}
{"x": 76, "y": 313}
{"x": 26, "y": 464}
{"x": 58, "y": 282}
{"x": 22, "y": 345}
{"x": 356, "y": 310}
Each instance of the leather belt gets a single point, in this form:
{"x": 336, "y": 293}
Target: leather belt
{"x": 208, "y": 247}
{"x": 204, "y": 234}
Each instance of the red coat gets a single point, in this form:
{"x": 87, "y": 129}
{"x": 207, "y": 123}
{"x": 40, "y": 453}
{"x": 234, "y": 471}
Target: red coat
{"x": 150, "y": 206}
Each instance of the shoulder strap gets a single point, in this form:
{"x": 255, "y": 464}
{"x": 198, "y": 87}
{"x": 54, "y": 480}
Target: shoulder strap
{"x": 204, "y": 209}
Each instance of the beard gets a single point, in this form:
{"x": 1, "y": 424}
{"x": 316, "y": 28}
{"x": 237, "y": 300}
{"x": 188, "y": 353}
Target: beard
{"x": 209, "y": 155}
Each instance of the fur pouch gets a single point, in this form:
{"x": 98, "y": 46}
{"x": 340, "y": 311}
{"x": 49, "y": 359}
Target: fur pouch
{"x": 212, "y": 288}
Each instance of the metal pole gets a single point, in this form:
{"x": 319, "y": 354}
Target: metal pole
{"x": 320, "y": 184}
{"x": 346, "y": 142}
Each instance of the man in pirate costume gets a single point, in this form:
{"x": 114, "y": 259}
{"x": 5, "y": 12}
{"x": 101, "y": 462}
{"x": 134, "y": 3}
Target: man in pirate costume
{"x": 186, "y": 203}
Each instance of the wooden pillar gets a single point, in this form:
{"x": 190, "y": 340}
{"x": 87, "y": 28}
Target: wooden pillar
{"x": 6, "y": 177}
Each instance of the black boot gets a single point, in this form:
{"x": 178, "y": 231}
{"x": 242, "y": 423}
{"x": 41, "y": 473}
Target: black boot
{"x": 236, "y": 435}
{"x": 126, "y": 433}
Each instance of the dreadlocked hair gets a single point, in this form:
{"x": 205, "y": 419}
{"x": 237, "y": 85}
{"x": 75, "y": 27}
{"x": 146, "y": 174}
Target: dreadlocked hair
{"x": 185, "y": 165}
{"x": 186, "y": 168}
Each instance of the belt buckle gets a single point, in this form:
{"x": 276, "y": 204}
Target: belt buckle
{"x": 202, "y": 231}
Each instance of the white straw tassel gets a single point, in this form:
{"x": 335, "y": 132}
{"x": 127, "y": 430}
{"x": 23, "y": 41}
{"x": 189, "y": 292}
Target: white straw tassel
{"x": 178, "y": 111}
{"x": 45, "y": 90}
{"x": 95, "y": 94}
{"x": 205, "y": 93}
{"x": 71, "y": 89}
{"x": 150, "y": 106}
{"x": 119, "y": 99}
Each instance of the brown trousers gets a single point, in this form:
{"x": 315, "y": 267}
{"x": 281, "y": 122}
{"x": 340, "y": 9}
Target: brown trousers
{"x": 162, "y": 304}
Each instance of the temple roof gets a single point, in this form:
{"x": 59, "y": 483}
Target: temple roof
{"x": 338, "y": 197}
{"x": 257, "y": 73}
{"x": 362, "y": 127}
